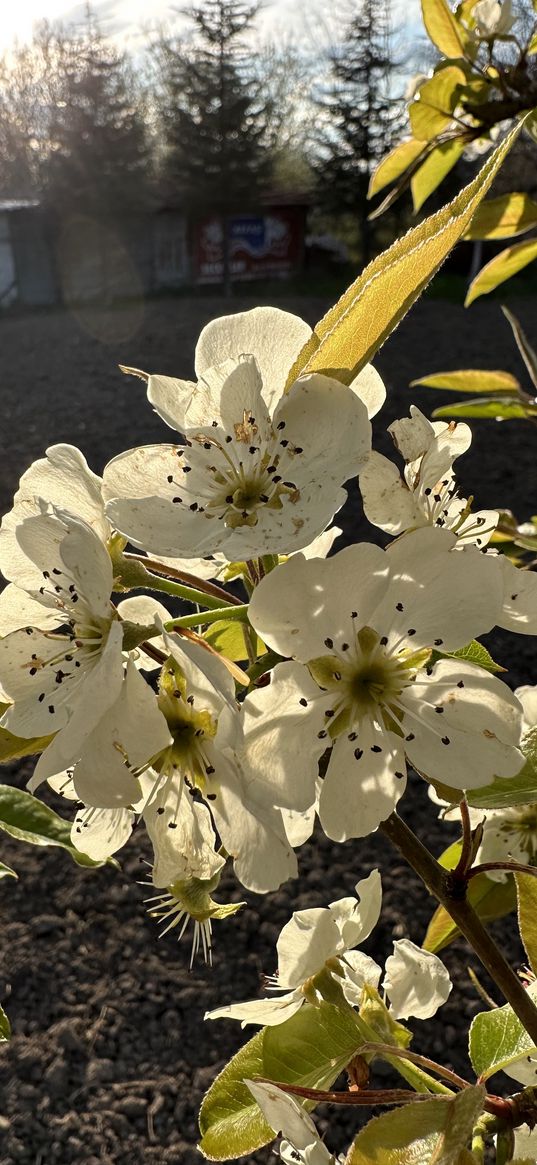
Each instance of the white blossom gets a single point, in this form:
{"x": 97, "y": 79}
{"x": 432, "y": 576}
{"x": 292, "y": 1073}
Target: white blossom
{"x": 426, "y": 494}
{"x": 416, "y": 981}
{"x": 362, "y": 627}
{"x": 65, "y": 667}
{"x": 261, "y": 471}
{"x": 311, "y": 942}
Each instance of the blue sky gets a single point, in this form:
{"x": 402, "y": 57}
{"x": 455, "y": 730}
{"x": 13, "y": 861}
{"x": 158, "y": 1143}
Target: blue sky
{"x": 127, "y": 20}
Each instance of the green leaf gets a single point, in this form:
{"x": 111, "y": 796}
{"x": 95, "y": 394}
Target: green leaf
{"x": 474, "y": 652}
{"x": 394, "y": 165}
{"x": 430, "y": 1132}
{"x": 7, "y": 872}
{"x": 15, "y": 747}
{"x": 359, "y": 323}
{"x": 501, "y": 218}
{"x": 227, "y": 637}
{"x": 310, "y": 1049}
{"x": 489, "y": 899}
{"x": 5, "y": 1027}
{"x": 500, "y": 268}
{"x": 498, "y": 1039}
{"x": 442, "y": 28}
{"x": 526, "y": 888}
{"x": 431, "y": 112}
{"x": 28, "y": 819}
{"x": 434, "y": 169}
{"x": 520, "y": 790}
{"x": 469, "y": 380}
{"x": 495, "y": 408}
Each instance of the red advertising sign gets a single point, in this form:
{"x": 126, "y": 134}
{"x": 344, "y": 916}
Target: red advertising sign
{"x": 261, "y": 245}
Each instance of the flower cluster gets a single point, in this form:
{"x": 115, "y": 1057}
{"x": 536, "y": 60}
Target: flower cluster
{"x": 352, "y": 666}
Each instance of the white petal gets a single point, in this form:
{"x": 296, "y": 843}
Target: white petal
{"x": 252, "y": 833}
{"x": 329, "y": 423}
{"x": 477, "y": 734}
{"x": 182, "y": 836}
{"x": 224, "y": 394}
{"x": 208, "y": 680}
{"x": 388, "y": 502}
{"x": 302, "y": 603}
{"x": 365, "y": 778}
{"x": 369, "y": 386}
{"x": 412, "y": 435}
{"x": 100, "y": 689}
{"x": 99, "y": 833}
{"x": 321, "y": 546}
{"x": 298, "y": 826}
{"x": 528, "y": 698}
{"x": 359, "y": 969}
{"x": 437, "y": 596}
{"x": 129, "y": 735}
{"x": 525, "y": 1144}
{"x": 519, "y": 610}
{"x": 305, "y": 943}
{"x": 170, "y": 399}
{"x": 284, "y": 1114}
{"x": 268, "y": 1012}
{"x": 416, "y": 982}
{"x": 357, "y": 917}
{"x": 274, "y": 337}
{"x": 281, "y": 742}
{"x": 18, "y": 609}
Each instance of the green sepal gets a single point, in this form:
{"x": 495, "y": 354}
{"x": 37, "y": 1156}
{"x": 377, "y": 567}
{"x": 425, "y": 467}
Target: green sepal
{"x": 473, "y": 652}
{"x": 27, "y": 819}
{"x": 430, "y": 1132}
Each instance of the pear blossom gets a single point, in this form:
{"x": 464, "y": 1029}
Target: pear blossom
{"x": 312, "y": 942}
{"x": 99, "y": 833}
{"x": 426, "y": 494}
{"x": 65, "y": 668}
{"x": 362, "y": 628}
{"x": 64, "y": 479}
{"x": 261, "y": 469}
{"x": 525, "y": 1148}
{"x": 320, "y": 942}
{"x": 493, "y": 18}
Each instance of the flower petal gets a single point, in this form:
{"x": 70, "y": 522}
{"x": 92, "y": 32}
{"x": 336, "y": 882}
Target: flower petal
{"x": 273, "y": 336}
{"x": 369, "y": 386}
{"x": 365, "y": 778}
{"x": 330, "y": 424}
{"x": 416, "y": 982}
{"x": 357, "y": 917}
{"x": 99, "y": 833}
{"x": 388, "y": 502}
{"x": 475, "y": 735}
{"x": 305, "y": 943}
{"x": 268, "y": 1012}
{"x": 182, "y": 835}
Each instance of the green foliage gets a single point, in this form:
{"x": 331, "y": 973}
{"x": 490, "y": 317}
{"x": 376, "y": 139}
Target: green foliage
{"x": 443, "y": 28}
{"x": 469, "y": 380}
{"x": 438, "y": 98}
{"x": 501, "y": 268}
{"x": 526, "y": 886}
{"x": 429, "y": 1132}
{"x": 228, "y": 638}
{"x": 474, "y": 652}
{"x": 7, "y": 872}
{"x": 434, "y": 169}
{"x": 394, "y": 164}
{"x": 356, "y": 327}
{"x": 496, "y": 408}
{"x": 27, "y": 819}
{"x": 498, "y": 1039}
{"x": 310, "y": 1049}
{"x": 5, "y": 1027}
{"x": 503, "y": 217}
{"x": 490, "y": 900}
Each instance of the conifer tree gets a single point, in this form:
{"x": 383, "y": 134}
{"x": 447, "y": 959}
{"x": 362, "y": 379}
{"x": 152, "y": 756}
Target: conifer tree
{"x": 360, "y": 116}
{"x": 99, "y": 159}
{"x": 214, "y": 126}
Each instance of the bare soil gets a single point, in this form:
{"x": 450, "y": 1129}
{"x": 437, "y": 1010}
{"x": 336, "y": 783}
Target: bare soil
{"x": 109, "y": 1057}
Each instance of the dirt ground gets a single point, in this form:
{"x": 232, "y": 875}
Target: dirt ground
{"x": 109, "y": 1057}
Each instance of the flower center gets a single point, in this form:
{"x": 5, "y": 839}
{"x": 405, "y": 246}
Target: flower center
{"x": 367, "y": 680}
{"x": 189, "y": 726}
